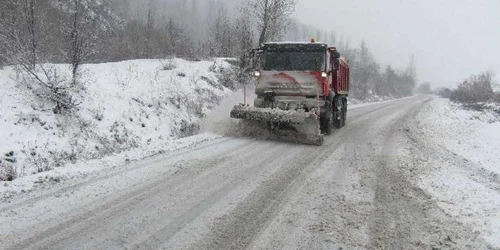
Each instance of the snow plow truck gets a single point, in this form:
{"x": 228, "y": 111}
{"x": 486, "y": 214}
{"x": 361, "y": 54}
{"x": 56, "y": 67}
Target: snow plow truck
{"x": 301, "y": 89}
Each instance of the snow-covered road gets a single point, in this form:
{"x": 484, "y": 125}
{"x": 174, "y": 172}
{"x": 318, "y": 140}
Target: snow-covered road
{"x": 364, "y": 188}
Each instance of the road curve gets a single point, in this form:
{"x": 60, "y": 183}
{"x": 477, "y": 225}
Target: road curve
{"x": 356, "y": 191}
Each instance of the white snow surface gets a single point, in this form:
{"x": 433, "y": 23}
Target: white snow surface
{"x": 129, "y": 110}
{"x": 467, "y": 185}
{"x": 474, "y": 135}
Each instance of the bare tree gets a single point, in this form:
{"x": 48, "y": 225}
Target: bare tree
{"x": 76, "y": 43}
{"x": 243, "y": 33}
{"x": 19, "y": 43}
{"x": 28, "y": 9}
{"x": 272, "y": 16}
{"x": 221, "y": 42}
{"x": 149, "y": 31}
{"x": 9, "y": 33}
{"x": 75, "y": 52}
{"x": 180, "y": 44}
{"x": 83, "y": 33}
{"x": 365, "y": 70}
{"x": 19, "y": 32}
{"x": 245, "y": 41}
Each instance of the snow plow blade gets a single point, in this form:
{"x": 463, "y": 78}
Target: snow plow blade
{"x": 271, "y": 115}
{"x": 288, "y": 125}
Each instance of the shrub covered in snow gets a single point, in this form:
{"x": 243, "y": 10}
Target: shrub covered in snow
{"x": 496, "y": 97}
{"x": 229, "y": 75}
{"x": 8, "y": 169}
{"x": 477, "y": 88}
{"x": 51, "y": 83}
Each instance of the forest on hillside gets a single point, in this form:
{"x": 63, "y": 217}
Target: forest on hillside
{"x": 96, "y": 31}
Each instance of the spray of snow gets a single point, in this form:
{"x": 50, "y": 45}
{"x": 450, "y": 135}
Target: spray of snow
{"x": 219, "y": 120}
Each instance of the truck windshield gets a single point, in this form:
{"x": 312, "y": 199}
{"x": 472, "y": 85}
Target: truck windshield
{"x": 294, "y": 60}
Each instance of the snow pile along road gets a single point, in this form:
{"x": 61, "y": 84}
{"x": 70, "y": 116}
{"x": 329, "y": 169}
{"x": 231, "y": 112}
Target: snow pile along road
{"x": 463, "y": 152}
{"x": 474, "y": 135}
{"x": 128, "y": 109}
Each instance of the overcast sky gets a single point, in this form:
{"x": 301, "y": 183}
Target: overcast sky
{"x": 450, "y": 39}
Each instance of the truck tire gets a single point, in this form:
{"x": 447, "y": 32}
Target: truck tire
{"x": 327, "y": 122}
{"x": 327, "y": 117}
{"x": 344, "y": 112}
{"x": 320, "y": 141}
{"x": 337, "y": 123}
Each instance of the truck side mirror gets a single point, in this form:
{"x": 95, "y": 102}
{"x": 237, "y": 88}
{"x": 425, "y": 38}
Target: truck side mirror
{"x": 336, "y": 64}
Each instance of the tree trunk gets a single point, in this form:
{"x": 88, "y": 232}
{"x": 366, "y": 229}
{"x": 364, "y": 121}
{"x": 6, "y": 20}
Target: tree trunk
{"x": 75, "y": 42}
{"x": 265, "y": 22}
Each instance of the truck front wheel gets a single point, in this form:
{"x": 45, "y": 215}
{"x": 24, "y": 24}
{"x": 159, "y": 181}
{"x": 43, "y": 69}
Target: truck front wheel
{"x": 327, "y": 122}
{"x": 327, "y": 119}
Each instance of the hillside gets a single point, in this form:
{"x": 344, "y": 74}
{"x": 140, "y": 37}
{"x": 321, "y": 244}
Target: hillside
{"x": 141, "y": 105}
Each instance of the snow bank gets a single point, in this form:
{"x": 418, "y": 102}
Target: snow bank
{"x": 465, "y": 182}
{"x": 140, "y": 107}
{"x": 474, "y": 135}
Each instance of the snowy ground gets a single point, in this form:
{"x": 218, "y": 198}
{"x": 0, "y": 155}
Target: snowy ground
{"x": 417, "y": 159}
{"x": 475, "y": 135}
{"x": 467, "y": 184}
{"x": 385, "y": 181}
{"x": 129, "y": 110}
{"x": 354, "y": 104}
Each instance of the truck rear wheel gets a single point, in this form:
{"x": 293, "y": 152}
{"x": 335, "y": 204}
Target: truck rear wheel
{"x": 337, "y": 114}
{"x": 337, "y": 123}
{"x": 344, "y": 112}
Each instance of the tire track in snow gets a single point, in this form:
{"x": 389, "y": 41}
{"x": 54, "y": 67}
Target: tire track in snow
{"x": 474, "y": 171}
{"x": 156, "y": 239}
{"x": 124, "y": 200}
{"x": 406, "y": 216}
{"x": 143, "y": 164}
{"x": 258, "y": 210}
{"x": 332, "y": 205}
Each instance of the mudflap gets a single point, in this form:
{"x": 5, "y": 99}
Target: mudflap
{"x": 290, "y": 125}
